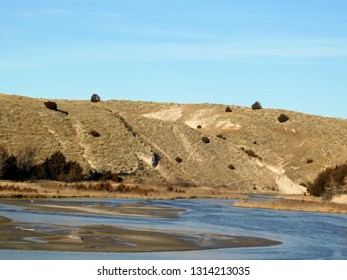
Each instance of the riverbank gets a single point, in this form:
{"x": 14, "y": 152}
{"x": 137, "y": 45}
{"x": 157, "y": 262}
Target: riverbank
{"x": 294, "y": 204}
{"x": 52, "y": 189}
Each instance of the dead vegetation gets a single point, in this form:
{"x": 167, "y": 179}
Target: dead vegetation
{"x": 294, "y": 205}
{"x": 50, "y": 189}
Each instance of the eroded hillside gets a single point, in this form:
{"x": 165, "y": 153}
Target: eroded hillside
{"x": 288, "y": 153}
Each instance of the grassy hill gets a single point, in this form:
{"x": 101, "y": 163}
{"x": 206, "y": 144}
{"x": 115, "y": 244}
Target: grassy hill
{"x": 287, "y": 154}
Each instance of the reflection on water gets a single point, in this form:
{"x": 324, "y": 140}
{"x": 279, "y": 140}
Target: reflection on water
{"x": 304, "y": 235}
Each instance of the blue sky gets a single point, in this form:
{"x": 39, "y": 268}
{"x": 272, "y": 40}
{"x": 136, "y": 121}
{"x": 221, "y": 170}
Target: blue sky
{"x": 289, "y": 54}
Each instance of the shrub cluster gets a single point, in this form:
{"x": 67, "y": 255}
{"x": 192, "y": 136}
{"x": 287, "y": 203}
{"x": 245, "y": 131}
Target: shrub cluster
{"x": 228, "y": 109}
{"x": 282, "y": 118}
{"x": 55, "y": 167}
{"x": 221, "y": 136}
{"x": 256, "y": 106}
{"x": 136, "y": 189}
{"x": 330, "y": 181}
{"x": 172, "y": 189}
{"x": 107, "y": 187}
{"x": 205, "y": 139}
{"x": 94, "y": 175}
{"x": 250, "y": 153}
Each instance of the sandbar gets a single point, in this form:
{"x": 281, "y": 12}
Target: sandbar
{"x": 104, "y": 238}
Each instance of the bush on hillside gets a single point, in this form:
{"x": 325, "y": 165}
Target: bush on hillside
{"x": 228, "y": 109}
{"x": 205, "y": 139}
{"x": 330, "y": 181}
{"x": 282, "y": 118}
{"x": 51, "y": 105}
{"x": 251, "y": 153}
{"x": 94, "y": 133}
{"x": 256, "y": 106}
{"x": 95, "y": 98}
{"x": 178, "y": 159}
{"x": 309, "y": 161}
{"x": 199, "y": 126}
{"x": 221, "y": 136}
{"x": 56, "y": 168}
{"x": 231, "y": 167}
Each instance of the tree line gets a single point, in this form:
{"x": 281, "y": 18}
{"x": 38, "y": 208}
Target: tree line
{"x": 55, "y": 168}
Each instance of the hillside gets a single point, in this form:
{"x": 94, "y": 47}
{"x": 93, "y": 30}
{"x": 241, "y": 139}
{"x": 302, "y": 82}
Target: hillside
{"x": 130, "y": 132}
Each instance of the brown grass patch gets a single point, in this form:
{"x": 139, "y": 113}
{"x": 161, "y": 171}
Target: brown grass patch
{"x": 52, "y": 189}
{"x": 293, "y": 205}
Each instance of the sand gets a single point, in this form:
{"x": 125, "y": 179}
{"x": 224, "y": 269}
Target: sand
{"x": 138, "y": 209}
{"x": 105, "y": 238}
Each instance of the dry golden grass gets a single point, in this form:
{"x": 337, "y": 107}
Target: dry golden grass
{"x": 300, "y": 197}
{"x": 52, "y": 189}
{"x": 308, "y": 206}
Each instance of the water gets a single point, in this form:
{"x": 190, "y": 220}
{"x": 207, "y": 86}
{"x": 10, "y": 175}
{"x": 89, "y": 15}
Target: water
{"x": 303, "y": 235}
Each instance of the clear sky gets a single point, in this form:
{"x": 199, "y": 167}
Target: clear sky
{"x": 289, "y": 54}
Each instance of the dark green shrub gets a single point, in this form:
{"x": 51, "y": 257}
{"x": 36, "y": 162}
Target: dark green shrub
{"x": 251, "y": 153}
{"x": 51, "y": 105}
{"x": 256, "y": 106}
{"x": 95, "y": 98}
{"x": 221, "y": 136}
{"x": 282, "y": 118}
{"x": 94, "y": 133}
{"x": 178, "y": 159}
{"x": 205, "y": 139}
{"x": 94, "y": 175}
{"x": 56, "y": 168}
{"x": 231, "y": 167}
